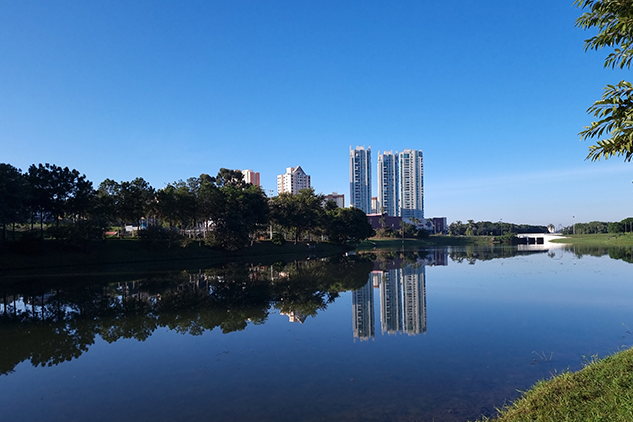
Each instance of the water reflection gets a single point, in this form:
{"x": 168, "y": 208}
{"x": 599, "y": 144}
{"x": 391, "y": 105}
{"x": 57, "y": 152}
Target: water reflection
{"x": 623, "y": 253}
{"x": 488, "y": 321}
{"x": 57, "y": 325}
{"x": 402, "y": 302}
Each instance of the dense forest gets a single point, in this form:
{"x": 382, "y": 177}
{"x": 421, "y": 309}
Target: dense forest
{"x": 225, "y": 211}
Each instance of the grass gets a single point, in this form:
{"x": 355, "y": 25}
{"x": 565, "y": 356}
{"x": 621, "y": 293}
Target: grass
{"x": 600, "y": 392}
{"x": 601, "y": 239}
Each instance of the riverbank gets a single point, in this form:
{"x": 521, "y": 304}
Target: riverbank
{"x": 602, "y": 391}
{"x": 600, "y": 239}
{"x": 114, "y": 255}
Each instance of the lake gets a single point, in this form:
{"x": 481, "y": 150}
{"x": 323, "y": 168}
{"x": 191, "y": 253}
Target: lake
{"x": 446, "y": 334}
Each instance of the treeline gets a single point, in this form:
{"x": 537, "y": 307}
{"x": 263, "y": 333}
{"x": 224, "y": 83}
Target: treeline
{"x": 594, "y": 227}
{"x": 223, "y": 210}
{"x": 488, "y": 228}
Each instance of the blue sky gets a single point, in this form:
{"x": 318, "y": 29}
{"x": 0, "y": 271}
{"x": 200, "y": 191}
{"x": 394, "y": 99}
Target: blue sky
{"x": 494, "y": 92}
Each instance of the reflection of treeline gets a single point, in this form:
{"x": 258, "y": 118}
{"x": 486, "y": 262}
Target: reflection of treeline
{"x": 488, "y": 228}
{"x": 388, "y": 259}
{"x": 615, "y": 252}
{"x": 594, "y": 227}
{"x": 435, "y": 256}
{"x": 224, "y": 210}
{"x": 51, "y": 327}
{"x": 471, "y": 254}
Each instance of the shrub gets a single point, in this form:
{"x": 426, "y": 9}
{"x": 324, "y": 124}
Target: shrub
{"x": 157, "y": 237}
{"x": 278, "y": 239}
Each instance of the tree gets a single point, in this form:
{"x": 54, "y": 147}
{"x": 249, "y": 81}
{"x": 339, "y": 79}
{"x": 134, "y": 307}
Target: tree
{"x": 13, "y": 191}
{"x": 472, "y": 226}
{"x": 298, "y": 213}
{"x": 407, "y": 229}
{"x": 208, "y": 198}
{"x": 106, "y": 200}
{"x": 343, "y": 224}
{"x": 136, "y": 199}
{"x": 456, "y": 228}
{"x": 238, "y": 210}
{"x": 58, "y": 192}
{"x": 613, "y": 19}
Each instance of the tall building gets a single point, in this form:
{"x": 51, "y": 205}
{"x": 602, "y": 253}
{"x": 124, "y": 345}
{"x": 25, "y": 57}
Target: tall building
{"x": 401, "y": 184}
{"x": 411, "y": 180}
{"x": 388, "y": 184}
{"x": 251, "y": 176}
{"x": 360, "y": 178}
{"x": 293, "y": 180}
{"x": 337, "y": 198}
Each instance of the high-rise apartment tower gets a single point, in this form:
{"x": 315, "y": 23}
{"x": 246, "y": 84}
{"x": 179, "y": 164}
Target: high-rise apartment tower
{"x": 388, "y": 183}
{"x": 360, "y": 178}
{"x": 293, "y": 180}
{"x": 251, "y": 176}
{"x": 401, "y": 184}
{"x": 411, "y": 176}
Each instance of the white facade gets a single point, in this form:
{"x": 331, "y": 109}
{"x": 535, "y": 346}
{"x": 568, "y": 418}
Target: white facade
{"x": 388, "y": 184}
{"x": 293, "y": 180}
{"x": 251, "y": 177}
{"x": 360, "y": 178}
{"x": 401, "y": 184}
{"x": 411, "y": 179}
{"x": 337, "y": 198}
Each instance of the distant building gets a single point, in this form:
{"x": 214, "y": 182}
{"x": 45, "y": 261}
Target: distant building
{"x": 388, "y": 184}
{"x": 401, "y": 184}
{"x": 378, "y": 221}
{"x": 339, "y": 199}
{"x": 293, "y": 180}
{"x": 374, "y": 205}
{"x": 411, "y": 178}
{"x": 360, "y": 178}
{"x": 251, "y": 176}
{"x": 439, "y": 225}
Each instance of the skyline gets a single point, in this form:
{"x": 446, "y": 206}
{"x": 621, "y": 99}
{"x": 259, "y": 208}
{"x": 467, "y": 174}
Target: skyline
{"x": 493, "y": 94}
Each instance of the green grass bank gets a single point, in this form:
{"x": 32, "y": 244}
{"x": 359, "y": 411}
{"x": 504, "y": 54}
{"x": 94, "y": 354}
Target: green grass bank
{"x": 600, "y": 392}
{"x": 600, "y": 239}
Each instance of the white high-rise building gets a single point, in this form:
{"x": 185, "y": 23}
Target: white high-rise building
{"x": 293, "y": 180}
{"x": 360, "y": 178}
{"x": 401, "y": 184}
{"x": 251, "y": 176}
{"x": 388, "y": 183}
{"x": 411, "y": 179}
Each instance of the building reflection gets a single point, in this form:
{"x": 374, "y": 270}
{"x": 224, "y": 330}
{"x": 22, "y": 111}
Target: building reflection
{"x": 402, "y": 288}
{"x": 295, "y": 316}
{"x": 363, "y": 309}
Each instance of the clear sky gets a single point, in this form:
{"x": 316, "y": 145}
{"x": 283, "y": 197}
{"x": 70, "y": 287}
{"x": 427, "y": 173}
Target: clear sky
{"x": 494, "y": 92}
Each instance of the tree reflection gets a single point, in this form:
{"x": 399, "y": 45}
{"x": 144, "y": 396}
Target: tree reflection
{"x": 624, "y": 253}
{"x": 57, "y": 325}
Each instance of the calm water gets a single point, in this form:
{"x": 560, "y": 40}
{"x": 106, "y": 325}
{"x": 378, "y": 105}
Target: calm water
{"x": 443, "y": 335}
